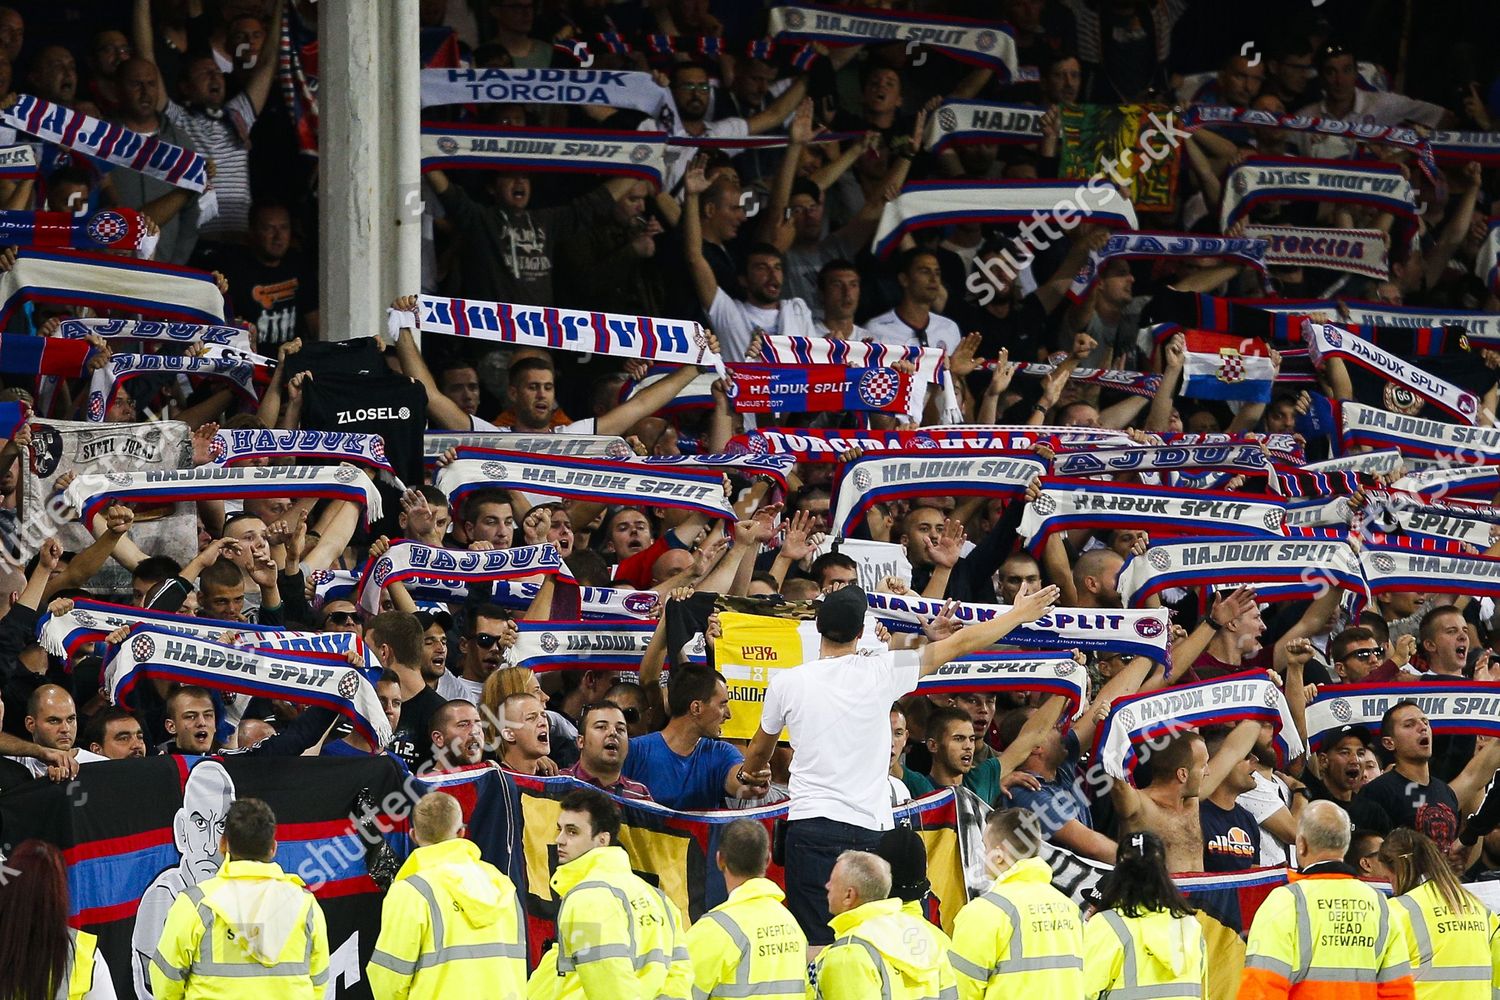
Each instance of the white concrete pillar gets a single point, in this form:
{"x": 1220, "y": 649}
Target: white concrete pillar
{"x": 369, "y": 174}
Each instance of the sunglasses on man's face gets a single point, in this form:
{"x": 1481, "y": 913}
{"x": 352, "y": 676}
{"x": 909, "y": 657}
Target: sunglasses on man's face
{"x": 1361, "y": 654}
{"x": 343, "y": 617}
{"x": 485, "y": 640}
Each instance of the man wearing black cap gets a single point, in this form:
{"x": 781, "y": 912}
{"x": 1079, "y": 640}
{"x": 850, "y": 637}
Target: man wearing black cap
{"x": 1340, "y": 775}
{"x": 836, "y": 710}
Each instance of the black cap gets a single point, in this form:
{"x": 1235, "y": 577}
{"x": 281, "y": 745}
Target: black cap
{"x": 1361, "y": 733}
{"x": 841, "y": 616}
{"x": 902, "y": 849}
{"x": 441, "y": 617}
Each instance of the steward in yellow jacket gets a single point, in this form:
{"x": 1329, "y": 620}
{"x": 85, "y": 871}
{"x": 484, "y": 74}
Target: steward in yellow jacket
{"x": 880, "y": 949}
{"x": 252, "y": 931}
{"x": 451, "y": 925}
{"x": 1156, "y": 954}
{"x": 618, "y": 936}
{"x": 749, "y": 945}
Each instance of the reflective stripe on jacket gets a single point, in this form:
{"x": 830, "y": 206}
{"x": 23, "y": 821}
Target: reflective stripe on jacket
{"x": 1022, "y": 938}
{"x": 450, "y": 926}
{"x": 1326, "y": 937}
{"x": 749, "y": 946}
{"x": 252, "y": 931}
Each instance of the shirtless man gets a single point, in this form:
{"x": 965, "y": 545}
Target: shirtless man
{"x": 1181, "y": 773}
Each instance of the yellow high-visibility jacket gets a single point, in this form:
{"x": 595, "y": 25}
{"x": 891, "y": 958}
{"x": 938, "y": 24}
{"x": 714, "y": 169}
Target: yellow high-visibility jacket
{"x": 881, "y": 951}
{"x": 1454, "y": 956}
{"x": 1327, "y": 936}
{"x": 749, "y": 945}
{"x": 252, "y": 932}
{"x": 1022, "y": 938}
{"x": 618, "y": 936}
{"x": 1155, "y": 954}
{"x": 81, "y": 969}
{"x": 451, "y": 926}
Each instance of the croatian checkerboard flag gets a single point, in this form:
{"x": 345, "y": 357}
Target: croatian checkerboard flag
{"x": 1222, "y": 366}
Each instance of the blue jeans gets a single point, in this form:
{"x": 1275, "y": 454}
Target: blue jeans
{"x": 813, "y": 847}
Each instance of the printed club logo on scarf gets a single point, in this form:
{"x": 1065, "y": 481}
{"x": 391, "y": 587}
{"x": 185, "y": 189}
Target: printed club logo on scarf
{"x": 108, "y": 228}
{"x": 878, "y": 387}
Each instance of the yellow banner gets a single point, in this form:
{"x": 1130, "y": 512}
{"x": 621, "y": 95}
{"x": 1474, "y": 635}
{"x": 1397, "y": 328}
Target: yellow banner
{"x": 751, "y": 650}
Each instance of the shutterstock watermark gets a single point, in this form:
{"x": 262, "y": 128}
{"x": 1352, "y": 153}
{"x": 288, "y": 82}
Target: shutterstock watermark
{"x": 992, "y": 275}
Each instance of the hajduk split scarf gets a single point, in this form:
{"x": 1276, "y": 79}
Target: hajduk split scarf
{"x": 617, "y": 336}
{"x": 874, "y": 479}
{"x": 595, "y": 602}
{"x": 435, "y": 445}
{"x": 114, "y": 144}
{"x": 774, "y": 467}
{"x": 821, "y": 445}
{"x": 630, "y": 90}
{"x": 1461, "y": 147}
{"x": 1284, "y": 448}
{"x": 1416, "y": 437}
{"x": 236, "y": 447}
{"x": 1452, "y": 707}
{"x": 1007, "y": 673}
{"x": 1200, "y": 115}
{"x": 1261, "y": 179}
{"x": 1479, "y": 326}
{"x": 983, "y": 43}
{"x": 108, "y": 379}
{"x": 1381, "y": 463}
{"x": 1480, "y": 482}
{"x": 1139, "y": 719}
{"x": 600, "y": 645}
{"x": 1067, "y": 504}
{"x": 408, "y": 560}
{"x": 591, "y": 480}
{"x": 925, "y": 204}
{"x": 1325, "y": 341}
{"x": 963, "y": 123}
{"x": 931, "y": 362}
{"x": 760, "y": 388}
{"x": 1279, "y": 570}
{"x": 100, "y": 281}
{"x": 91, "y": 494}
{"x": 191, "y": 334}
{"x": 1353, "y": 251}
{"x": 92, "y": 621}
{"x": 1395, "y": 569}
{"x": 107, "y": 229}
{"x": 17, "y": 163}
{"x": 1131, "y": 383}
{"x": 1155, "y": 246}
{"x": 309, "y": 678}
{"x": 1132, "y": 633}
{"x": 641, "y": 155}
{"x": 1103, "y": 460}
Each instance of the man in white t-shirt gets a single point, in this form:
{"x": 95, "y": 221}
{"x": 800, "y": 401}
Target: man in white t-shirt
{"x": 1344, "y": 101}
{"x": 913, "y": 321}
{"x": 690, "y": 91}
{"x": 52, "y": 724}
{"x": 736, "y": 322}
{"x": 836, "y": 710}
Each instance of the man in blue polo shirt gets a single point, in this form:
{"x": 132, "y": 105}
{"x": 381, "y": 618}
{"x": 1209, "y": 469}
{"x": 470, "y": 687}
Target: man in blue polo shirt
{"x": 686, "y": 765}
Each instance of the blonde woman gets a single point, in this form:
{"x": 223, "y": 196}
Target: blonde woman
{"x": 1454, "y": 940}
{"x": 562, "y": 735}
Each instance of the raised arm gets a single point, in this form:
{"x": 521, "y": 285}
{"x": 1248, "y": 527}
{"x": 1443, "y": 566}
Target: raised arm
{"x": 1026, "y": 609}
{"x": 1238, "y": 744}
{"x": 777, "y": 111}
{"x": 650, "y": 399}
{"x": 441, "y": 411}
{"x": 694, "y": 183}
{"x": 258, "y": 83}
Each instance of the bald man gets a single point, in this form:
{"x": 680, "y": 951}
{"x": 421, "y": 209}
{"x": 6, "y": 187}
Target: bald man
{"x": 52, "y": 723}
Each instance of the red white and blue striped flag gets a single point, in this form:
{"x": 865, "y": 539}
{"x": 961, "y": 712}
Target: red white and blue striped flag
{"x": 1221, "y": 366}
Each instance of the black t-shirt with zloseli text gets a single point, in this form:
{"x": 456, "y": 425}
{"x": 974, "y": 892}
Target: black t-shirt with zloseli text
{"x": 393, "y": 406}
